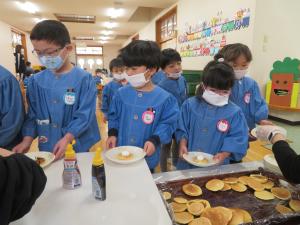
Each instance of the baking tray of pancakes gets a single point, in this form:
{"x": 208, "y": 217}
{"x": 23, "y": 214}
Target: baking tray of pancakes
{"x": 251, "y": 197}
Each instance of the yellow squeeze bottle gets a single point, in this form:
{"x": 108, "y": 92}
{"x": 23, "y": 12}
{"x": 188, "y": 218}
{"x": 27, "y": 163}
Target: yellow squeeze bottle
{"x": 71, "y": 174}
{"x": 98, "y": 176}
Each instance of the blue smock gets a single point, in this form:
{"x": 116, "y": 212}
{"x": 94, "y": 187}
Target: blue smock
{"x": 158, "y": 76}
{"x": 137, "y": 116}
{"x": 107, "y": 95}
{"x": 245, "y": 93}
{"x": 11, "y": 108}
{"x": 178, "y": 88}
{"x": 212, "y": 129}
{"x": 60, "y": 104}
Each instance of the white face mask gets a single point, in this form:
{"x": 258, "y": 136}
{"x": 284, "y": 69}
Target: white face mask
{"x": 239, "y": 74}
{"x": 214, "y": 98}
{"x": 118, "y": 76}
{"x": 175, "y": 75}
{"x": 137, "y": 80}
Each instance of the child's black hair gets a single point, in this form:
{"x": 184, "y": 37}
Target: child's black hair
{"x": 28, "y": 63}
{"x": 169, "y": 56}
{"x": 116, "y": 62}
{"x": 51, "y": 31}
{"x": 141, "y": 53}
{"x": 231, "y": 52}
{"x": 217, "y": 74}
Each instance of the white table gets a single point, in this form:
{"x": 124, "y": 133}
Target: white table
{"x": 132, "y": 198}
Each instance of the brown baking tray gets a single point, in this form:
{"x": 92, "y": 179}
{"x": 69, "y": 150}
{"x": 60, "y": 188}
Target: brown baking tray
{"x": 262, "y": 212}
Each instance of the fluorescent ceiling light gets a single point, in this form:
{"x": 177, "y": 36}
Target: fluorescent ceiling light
{"x": 106, "y": 32}
{"x": 110, "y": 24}
{"x": 103, "y": 42}
{"x": 28, "y": 7}
{"x": 115, "y": 13}
{"x": 104, "y": 38}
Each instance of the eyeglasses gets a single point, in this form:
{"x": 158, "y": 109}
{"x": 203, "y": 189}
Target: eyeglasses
{"x": 48, "y": 53}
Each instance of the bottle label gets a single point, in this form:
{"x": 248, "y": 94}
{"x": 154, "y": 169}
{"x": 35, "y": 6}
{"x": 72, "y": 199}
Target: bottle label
{"x": 71, "y": 175}
{"x": 97, "y": 190}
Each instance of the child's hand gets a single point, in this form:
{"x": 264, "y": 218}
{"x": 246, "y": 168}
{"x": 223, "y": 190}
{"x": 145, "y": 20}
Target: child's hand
{"x": 182, "y": 150}
{"x": 220, "y": 157}
{"x": 265, "y": 122}
{"x": 5, "y": 153}
{"x": 60, "y": 148}
{"x": 149, "y": 148}
{"x": 111, "y": 142}
{"x": 24, "y": 146}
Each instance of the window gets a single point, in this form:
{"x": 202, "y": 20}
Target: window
{"x": 166, "y": 27}
{"x": 89, "y": 50}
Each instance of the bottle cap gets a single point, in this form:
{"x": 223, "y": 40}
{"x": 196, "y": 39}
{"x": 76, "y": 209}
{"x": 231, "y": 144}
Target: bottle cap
{"x": 97, "y": 161}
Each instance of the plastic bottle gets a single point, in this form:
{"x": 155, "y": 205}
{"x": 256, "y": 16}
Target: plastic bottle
{"x": 71, "y": 174}
{"x": 98, "y": 176}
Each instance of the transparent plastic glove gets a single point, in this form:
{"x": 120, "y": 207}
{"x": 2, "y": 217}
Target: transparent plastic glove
{"x": 267, "y": 132}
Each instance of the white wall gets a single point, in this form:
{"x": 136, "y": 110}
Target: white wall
{"x": 110, "y": 52}
{"x": 194, "y": 10}
{"x": 6, "y": 50}
{"x": 276, "y": 35}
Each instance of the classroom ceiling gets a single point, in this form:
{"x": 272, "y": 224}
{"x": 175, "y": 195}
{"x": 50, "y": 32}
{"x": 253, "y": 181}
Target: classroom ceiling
{"x": 133, "y": 15}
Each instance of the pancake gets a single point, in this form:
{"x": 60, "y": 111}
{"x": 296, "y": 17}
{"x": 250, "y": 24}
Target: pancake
{"x": 254, "y": 184}
{"x": 200, "y": 221}
{"x": 40, "y": 160}
{"x": 239, "y": 187}
{"x": 167, "y": 195}
{"x": 215, "y": 185}
{"x": 260, "y": 178}
{"x": 269, "y": 184}
{"x": 192, "y": 189}
{"x": 180, "y": 200}
{"x": 226, "y": 187}
{"x": 283, "y": 209}
{"x": 281, "y": 193}
{"x": 177, "y": 207}
{"x": 243, "y": 179}
{"x": 237, "y": 217}
{"x": 195, "y": 208}
{"x": 183, "y": 217}
{"x": 204, "y": 202}
{"x": 218, "y": 215}
{"x": 230, "y": 180}
{"x": 125, "y": 155}
{"x": 200, "y": 160}
{"x": 246, "y": 215}
{"x": 295, "y": 205}
{"x": 264, "y": 195}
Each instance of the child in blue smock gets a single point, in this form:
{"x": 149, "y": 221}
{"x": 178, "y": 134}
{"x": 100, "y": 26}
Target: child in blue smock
{"x": 61, "y": 99}
{"x": 116, "y": 68}
{"x": 209, "y": 122}
{"x": 174, "y": 83}
{"x": 245, "y": 92}
{"x": 142, "y": 114}
{"x": 158, "y": 76}
{"x": 11, "y": 110}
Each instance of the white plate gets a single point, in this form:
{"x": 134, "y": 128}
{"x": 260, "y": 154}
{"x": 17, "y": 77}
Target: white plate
{"x": 189, "y": 158}
{"x": 253, "y": 132}
{"x": 48, "y": 156}
{"x": 138, "y": 154}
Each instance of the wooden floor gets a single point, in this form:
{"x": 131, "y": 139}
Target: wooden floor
{"x": 256, "y": 150}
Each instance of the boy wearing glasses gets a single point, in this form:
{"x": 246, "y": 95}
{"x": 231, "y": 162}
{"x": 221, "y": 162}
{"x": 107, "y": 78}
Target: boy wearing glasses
{"x": 61, "y": 99}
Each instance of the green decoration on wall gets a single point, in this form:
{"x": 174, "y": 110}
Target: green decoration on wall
{"x": 287, "y": 66}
